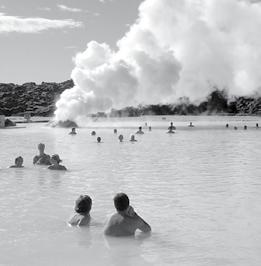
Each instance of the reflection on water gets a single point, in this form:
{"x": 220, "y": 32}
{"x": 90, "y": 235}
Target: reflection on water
{"x": 198, "y": 188}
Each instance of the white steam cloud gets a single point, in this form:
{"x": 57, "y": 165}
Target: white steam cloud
{"x": 175, "y": 48}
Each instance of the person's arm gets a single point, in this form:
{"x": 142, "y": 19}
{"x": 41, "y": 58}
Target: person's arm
{"x": 142, "y": 225}
{"x": 36, "y": 158}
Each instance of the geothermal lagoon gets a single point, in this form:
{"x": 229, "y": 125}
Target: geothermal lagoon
{"x": 198, "y": 188}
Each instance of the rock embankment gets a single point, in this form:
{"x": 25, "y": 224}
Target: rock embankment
{"x": 38, "y": 99}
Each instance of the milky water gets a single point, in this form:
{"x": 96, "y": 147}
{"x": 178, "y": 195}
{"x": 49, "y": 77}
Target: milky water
{"x": 200, "y": 190}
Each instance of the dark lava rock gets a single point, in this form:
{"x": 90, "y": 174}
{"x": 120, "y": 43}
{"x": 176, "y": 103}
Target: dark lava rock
{"x": 9, "y": 123}
{"x": 29, "y": 97}
{"x": 66, "y": 124}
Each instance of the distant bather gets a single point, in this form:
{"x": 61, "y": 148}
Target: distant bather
{"x": 42, "y": 158}
{"x": 121, "y": 138}
{"x": 73, "y": 132}
{"x": 18, "y": 162}
{"x": 140, "y": 131}
{"x": 55, "y": 160}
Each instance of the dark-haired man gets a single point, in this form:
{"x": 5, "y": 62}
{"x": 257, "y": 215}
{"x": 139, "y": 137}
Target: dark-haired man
{"x": 126, "y": 221}
{"x": 42, "y": 158}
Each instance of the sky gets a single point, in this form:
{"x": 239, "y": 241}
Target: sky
{"x": 40, "y": 38}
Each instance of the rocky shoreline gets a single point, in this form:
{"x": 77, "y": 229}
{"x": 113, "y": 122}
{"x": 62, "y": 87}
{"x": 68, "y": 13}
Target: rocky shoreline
{"x": 40, "y": 99}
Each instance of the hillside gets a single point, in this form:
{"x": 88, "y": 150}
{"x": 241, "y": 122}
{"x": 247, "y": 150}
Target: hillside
{"x": 29, "y": 97}
{"x": 40, "y": 100}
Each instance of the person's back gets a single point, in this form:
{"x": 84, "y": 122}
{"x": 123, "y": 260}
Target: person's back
{"x": 126, "y": 221}
{"x": 82, "y": 208}
{"x": 42, "y": 158}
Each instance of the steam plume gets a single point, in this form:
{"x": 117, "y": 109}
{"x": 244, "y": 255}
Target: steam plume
{"x": 175, "y": 48}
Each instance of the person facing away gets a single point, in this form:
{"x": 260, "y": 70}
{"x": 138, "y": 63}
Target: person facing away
{"x": 55, "y": 160}
{"x": 132, "y": 138}
{"x": 42, "y": 158}
{"x": 73, "y": 132}
{"x": 99, "y": 139}
{"x": 18, "y": 162}
{"x": 82, "y": 208}
{"x": 121, "y": 138}
{"x": 125, "y": 221}
{"x": 171, "y": 127}
{"x": 140, "y": 131}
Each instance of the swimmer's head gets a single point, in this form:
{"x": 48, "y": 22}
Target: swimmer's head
{"x": 99, "y": 139}
{"x": 121, "y": 138}
{"x": 171, "y": 123}
{"x": 93, "y": 133}
{"x": 121, "y": 202}
{"x": 73, "y": 129}
{"x": 132, "y": 138}
{"x": 41, "y": 147}
{"x": 140, "y": 128}
{"x": 83, "y": 204}
{"x": 55, "y": 158}
{"x": 19, "y": 161}
{"x": 115, "y": 130}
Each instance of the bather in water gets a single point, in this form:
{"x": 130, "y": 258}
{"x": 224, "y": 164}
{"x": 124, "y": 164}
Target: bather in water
{"x": 171, "y": 127}
{"x": 170, "y": 131}
{"x": 42, "y": 158}
{"x": 125, "y": 221}
{"x": 190, "y": 125}
{"x": 99, "y": 139}
{"x": 93, "y": 133}
{"x": 115, "y": 131}
{"x": 55, "y": 160}
{"x": 121, "y": 138}
{"x": 73, "y": 132}
{"x": 140, "y": 131}
{"x": 132, "y": 138}
{"x": 18, "y": 162}
{"x": 82, "y": 208}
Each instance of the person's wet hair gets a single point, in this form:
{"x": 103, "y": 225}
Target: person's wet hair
{"x": 121, "y": 202}
{"x": 17, "y": 159}
{"x": 56, "y": 157}
{"x": 83, "y": 204}
{"x": 41, "y": 145}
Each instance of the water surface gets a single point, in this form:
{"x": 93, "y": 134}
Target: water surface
{"x": 199, "y": 189}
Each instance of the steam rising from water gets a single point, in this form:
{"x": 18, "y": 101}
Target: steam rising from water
{"x": 175, "y": 48}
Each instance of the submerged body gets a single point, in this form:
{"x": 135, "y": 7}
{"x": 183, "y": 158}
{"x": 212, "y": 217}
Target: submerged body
{"x": 123, "y": 224}
{"x": 42, "y": 158}
{"x": 126, "y": 221}
{"x": 80, "y": 219}
{"x": 18, "y": 162}
{"x": 55, "y": 160}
